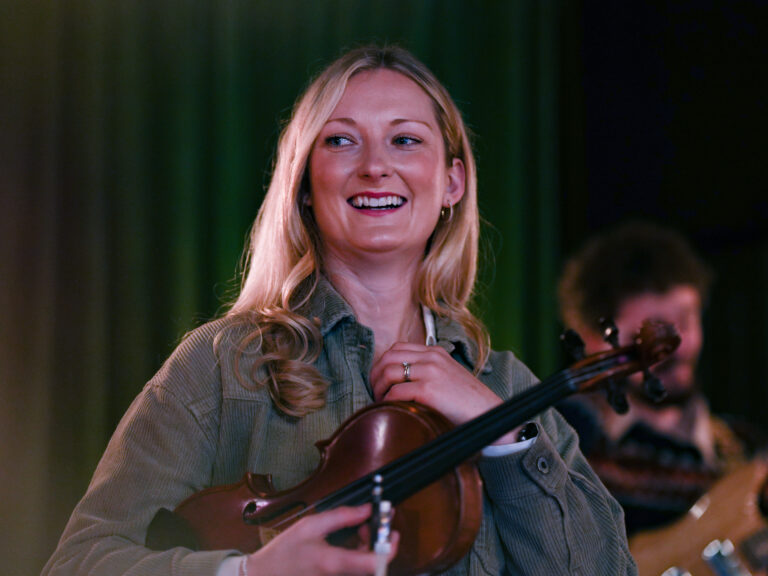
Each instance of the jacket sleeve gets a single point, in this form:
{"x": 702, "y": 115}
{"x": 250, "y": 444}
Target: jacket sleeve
{"x": 161, "y": 452}
{"x": 551, "y": 512}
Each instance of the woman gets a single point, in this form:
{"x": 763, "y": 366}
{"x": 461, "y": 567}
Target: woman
{"x": 362, "y": 260}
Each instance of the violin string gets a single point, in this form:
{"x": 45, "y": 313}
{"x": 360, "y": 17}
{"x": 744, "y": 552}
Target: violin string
{"x": 466, "y": 443}
{"x": 432, "y": 460}
{"x": 398, "y": 474}
{"x": 443, "y": 453}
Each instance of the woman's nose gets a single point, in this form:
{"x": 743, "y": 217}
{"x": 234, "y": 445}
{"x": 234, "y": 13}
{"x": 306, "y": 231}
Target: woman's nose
{"x": 374, "y": 162}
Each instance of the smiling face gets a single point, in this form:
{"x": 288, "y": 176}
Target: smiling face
{"x": 378, "y": 170}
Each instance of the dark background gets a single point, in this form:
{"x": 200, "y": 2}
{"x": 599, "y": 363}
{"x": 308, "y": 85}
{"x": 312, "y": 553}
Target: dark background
{"x": 136, "y": 140}
{"x": 665, "y": 118}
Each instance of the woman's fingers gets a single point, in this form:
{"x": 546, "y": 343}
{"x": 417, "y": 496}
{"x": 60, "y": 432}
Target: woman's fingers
{"x": 303, "y": 549}
{"x": 429, "y": 375}
{"x": 334, "y": 520}
{"x": 403, "y": 362}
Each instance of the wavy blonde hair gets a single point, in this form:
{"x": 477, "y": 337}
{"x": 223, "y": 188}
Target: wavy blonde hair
{"x": 283, "y": 259}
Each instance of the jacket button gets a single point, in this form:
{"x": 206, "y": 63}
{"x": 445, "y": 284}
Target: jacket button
{"x": 542, "y": 465}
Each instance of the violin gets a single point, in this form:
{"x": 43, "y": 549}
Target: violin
{"x": 413, "y": 457}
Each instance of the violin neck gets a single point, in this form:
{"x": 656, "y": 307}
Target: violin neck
{"x": 410, "y": 473}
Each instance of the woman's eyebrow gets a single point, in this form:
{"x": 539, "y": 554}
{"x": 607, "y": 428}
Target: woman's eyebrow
{"x": 343, "y": 120}
{"x": 397, "y": 121}
{"x": 394, "y": 122}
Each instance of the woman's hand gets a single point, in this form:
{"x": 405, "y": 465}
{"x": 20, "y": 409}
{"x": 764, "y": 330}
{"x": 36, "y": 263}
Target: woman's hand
{"x": 303, "y": 550}
{"x": 434, "y": 379}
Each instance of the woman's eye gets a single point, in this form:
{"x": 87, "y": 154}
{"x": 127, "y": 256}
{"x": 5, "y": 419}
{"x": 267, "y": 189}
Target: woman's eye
{"x": 406, "y": 140}
{"x": 337, "y": 140}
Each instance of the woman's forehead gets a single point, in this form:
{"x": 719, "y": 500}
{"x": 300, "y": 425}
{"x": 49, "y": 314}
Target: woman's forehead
{"x": 385, "y": 91}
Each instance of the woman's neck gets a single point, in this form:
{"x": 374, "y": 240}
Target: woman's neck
{"x": 383, "y": 299}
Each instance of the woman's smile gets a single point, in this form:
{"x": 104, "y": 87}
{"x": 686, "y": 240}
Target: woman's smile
{"x": 378, "y": 170}
{"x": 376, "y": 202}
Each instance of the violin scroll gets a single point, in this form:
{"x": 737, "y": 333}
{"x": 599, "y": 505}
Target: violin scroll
{"x": 654, "y": 342}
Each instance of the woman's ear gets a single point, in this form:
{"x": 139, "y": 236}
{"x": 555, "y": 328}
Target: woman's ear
{"x": 306, "y": 197}
{"x": 456, "y": 182}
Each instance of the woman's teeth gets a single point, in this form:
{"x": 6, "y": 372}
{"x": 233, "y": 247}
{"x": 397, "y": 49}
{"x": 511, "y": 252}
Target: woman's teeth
{"x": 383, "y": 202}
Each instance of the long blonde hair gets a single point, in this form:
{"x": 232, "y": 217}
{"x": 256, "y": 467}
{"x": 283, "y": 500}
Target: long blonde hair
{"x": 283, "y": 259}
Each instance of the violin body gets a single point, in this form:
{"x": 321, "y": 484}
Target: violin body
{"x": 437, "y": 524}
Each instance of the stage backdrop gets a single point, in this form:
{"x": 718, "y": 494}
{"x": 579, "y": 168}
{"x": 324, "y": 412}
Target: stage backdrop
{"x": 136, "y": 144}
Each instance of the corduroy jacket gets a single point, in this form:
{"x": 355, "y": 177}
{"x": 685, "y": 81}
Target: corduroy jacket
{"x": 195, "y": 425}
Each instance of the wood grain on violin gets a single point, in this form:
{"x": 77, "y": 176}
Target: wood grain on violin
{"x": 425, "y": 465}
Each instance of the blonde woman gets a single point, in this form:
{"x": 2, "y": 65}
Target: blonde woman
{"x": 361, "y": 264}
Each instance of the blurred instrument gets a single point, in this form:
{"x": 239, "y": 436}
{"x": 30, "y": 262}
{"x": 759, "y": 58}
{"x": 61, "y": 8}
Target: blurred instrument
{"x": 723, "y": 534}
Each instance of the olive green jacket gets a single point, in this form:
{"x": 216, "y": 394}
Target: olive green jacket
{"x": 195, "y": 425}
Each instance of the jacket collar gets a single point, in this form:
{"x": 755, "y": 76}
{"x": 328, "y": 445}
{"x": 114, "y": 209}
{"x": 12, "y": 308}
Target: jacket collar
{"x": 452, "y": 336}
{"x": 330, "y": 308}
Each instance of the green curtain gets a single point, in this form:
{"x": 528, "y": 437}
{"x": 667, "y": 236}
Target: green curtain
{"x": 135, "y": 146}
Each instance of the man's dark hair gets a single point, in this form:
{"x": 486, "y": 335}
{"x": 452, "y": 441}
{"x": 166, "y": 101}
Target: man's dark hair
{"x": 628, "y": 260}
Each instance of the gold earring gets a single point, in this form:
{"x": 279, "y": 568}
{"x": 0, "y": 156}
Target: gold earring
{"x": 446, "y": 213}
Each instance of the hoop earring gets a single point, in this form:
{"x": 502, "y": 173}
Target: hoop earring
{"x": 446, "y": 214}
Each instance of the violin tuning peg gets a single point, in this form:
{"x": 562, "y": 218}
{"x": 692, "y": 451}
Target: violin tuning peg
{"x": 653, "y": 387}
{"x": 617, "y": 399}
{"x": 610, "y": 332}
{"x": 572, "y": 344}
